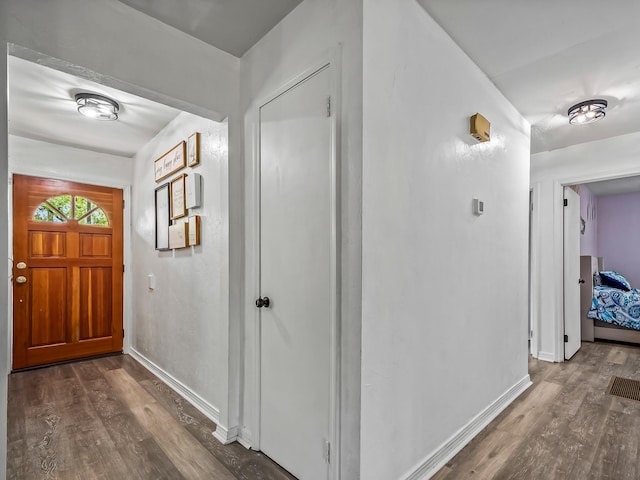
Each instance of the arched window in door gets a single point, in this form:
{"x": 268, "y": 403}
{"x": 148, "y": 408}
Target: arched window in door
{"x": 63, "y": 208}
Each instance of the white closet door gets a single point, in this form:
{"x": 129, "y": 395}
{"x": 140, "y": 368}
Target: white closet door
{"x": 295, "y": 274}
{"x": 571, "y": 273}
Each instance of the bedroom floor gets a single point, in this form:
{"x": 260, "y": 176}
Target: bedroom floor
{"x": 564, "y": 427}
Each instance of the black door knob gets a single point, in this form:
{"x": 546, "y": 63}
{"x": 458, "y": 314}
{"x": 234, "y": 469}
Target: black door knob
{"x": 262, "y": 302}
{"x": 581, "y": 281}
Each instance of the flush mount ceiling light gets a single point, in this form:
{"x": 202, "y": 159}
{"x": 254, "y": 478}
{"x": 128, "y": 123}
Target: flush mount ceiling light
{"x": 588, "y": 111}
{"x": 96, "y": 106}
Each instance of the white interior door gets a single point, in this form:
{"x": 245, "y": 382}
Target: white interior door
{"x": 571, "y": 273}
{"x": 297, "y": 241}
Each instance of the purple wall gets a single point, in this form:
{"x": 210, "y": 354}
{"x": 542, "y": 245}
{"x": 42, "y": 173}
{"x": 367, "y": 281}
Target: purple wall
{"x": 619, "y": 234}
{"x": 588, "y": 211}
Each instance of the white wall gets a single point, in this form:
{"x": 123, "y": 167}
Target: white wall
{"x": 444, "y": 294}
{"x": 619, "y": 233}
{"x": 48, "y": 160}
{"x": 610, "y": 158}
{"x": 182, "y": 324}
{"x": 315, "y": 29}
{"x": 588, "y": 213}
{"x": 4, "y": 247}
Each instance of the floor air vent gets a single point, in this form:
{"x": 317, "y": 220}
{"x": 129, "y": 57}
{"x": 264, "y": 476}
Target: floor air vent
{"x": 625, "y": 388}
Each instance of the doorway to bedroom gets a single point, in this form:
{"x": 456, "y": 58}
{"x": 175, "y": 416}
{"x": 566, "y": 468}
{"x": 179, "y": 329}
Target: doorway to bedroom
{"x": 609, "y": 267}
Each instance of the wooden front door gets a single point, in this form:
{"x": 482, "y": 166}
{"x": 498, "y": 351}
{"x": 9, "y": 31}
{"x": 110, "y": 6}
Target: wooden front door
{"x": 67, "y": 271}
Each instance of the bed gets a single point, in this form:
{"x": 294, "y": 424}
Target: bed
{"x": 609, "y": 312}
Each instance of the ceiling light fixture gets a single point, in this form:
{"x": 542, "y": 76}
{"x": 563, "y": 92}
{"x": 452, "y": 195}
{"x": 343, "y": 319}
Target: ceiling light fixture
{"x": 96, "y": 106}
{"x": 588, "y": 111}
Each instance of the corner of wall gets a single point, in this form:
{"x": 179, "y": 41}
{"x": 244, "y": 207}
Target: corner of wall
{"x": 5, "y": 285}
{"x": 198, "y": 355}
{"x": 226, "y": 435}
{"x": 206, "y": 408}
{"x": 438, "y": 459}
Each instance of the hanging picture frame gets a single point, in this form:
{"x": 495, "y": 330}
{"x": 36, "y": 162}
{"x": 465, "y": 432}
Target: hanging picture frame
{"x": 178, "y": 197}
{"x": 194, "y": 230}
{"x": 162, "y": 210}
{"x": 178, "y": 235}
{"x": 193, "y": 149}
{"x": 172, "y": 161}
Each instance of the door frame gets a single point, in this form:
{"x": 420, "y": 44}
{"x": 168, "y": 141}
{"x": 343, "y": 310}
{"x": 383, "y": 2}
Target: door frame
{"x": 557, "y": 274}
{"x": 127, "y": 279}
{"x": 250, "y": 434}
{"x": 534, "y": 271}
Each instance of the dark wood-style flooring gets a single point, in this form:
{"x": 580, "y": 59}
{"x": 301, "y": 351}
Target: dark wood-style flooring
{"x": 111, "y": 419}
{"x": 564, "y": 427}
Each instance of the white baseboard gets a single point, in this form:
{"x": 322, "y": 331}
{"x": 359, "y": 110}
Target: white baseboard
{"x": 223, "y": 434}
{"x": 546, "y": 356}
{"x": 436, "y": 460}
{"x": 226, "y": 436}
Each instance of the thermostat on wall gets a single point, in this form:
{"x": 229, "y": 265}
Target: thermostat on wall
{"x": 478, "y": 206}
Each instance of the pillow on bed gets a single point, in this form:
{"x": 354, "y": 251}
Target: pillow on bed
{"x": 615, "y": 280}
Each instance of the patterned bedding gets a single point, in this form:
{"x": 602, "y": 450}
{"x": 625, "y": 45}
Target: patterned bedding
{"x": 616, "y": 306}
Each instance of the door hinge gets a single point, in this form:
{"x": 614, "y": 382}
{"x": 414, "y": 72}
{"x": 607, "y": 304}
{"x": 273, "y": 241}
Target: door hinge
{"x": 328, "y": 106}
{"x": 122, "y": 268}
{"x": 123, "y": 204}
{"x": 566, "y": 338}
{"x": 566, "y": 202}
{"x": 327, "y": 451}
{"x": 123, "y": 333}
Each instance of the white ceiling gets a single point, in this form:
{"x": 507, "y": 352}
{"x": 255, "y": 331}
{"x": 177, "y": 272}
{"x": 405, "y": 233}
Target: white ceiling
{"x": 42, "y": 107}
{"x": 230, "y": 25}
{"x": 41, "y": 104}
{"x": 548, "y": 55}
{"x": 615, "y": 187}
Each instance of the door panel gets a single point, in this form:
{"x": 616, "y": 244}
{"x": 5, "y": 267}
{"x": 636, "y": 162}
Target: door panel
{"x": 95, "y": 245}
{"x": 295, "y": 273}
{"x": 571, "y": 273}
{"x": 68, "y": 293}
{"x": 48, "y": 291}
{"x": 47, "y": 244}
{"x": 95, "y": 302}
